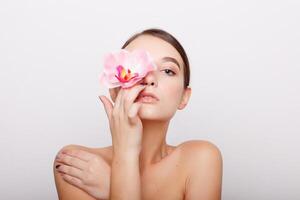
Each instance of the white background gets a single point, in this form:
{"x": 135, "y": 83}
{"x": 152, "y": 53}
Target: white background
{"x": 244, "y": 76}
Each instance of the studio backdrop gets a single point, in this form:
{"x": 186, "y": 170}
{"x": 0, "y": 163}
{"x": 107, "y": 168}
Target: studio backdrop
{"x": 245, "y": 68}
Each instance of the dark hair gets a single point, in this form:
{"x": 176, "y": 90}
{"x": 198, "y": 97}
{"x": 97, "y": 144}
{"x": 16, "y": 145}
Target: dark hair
{"x": 171, "y": 40}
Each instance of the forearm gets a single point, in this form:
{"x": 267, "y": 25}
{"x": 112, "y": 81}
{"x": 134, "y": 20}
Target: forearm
{"x": 125, "y": 177}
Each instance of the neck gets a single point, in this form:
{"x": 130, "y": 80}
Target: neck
{"x": 154, "y": 146}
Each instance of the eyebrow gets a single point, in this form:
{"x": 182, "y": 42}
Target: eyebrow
{"x": 170, "y": 59}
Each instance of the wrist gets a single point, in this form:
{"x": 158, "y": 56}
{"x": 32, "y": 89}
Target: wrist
{"x": 131, "y": 153}
{"x": 126, "y": 156}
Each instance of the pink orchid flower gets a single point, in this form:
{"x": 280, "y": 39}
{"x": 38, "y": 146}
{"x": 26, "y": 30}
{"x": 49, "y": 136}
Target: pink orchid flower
{"x": 124, "y": 68}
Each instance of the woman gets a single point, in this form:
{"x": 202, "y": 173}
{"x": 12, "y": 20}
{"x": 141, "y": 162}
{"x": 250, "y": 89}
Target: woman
{"x": 140, "y": 164}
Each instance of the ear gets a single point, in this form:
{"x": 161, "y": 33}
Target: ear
{"x": 114, "y": 93}
{"x": 185, "y": 98}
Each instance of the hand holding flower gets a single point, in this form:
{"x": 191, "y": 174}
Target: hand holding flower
{"x": 125, "y": 124}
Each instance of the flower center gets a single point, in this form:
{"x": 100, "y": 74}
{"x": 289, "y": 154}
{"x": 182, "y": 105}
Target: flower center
{"x": 123, "y": 75}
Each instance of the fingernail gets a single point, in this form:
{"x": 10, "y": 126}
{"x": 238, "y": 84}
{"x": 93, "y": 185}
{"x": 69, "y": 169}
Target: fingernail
{"x": 57, "y": 166}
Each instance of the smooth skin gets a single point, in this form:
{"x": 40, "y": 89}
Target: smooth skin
{"x": 191, "y": 170}
{"x": 194, "y": 167}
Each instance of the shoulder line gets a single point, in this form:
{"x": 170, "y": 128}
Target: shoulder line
{"x": 199, "y": 148}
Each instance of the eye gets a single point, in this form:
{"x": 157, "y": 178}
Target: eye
{"x": 168, "y": 72}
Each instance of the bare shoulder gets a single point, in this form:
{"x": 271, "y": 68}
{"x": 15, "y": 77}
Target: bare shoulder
{"x": 89, "y": 149}
{"x": 203, "y": 167}
{"x": 201, "y": 157}
{"x": 201, "y": 148}
{"x": 67, "y": 191}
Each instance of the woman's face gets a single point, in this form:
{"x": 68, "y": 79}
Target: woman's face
{"x": 166, "y": 82}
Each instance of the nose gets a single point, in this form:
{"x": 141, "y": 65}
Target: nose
{"x": 149, "y": 79}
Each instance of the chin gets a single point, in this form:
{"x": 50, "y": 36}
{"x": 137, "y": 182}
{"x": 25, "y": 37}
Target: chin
{"x": 153, "y": 114}
{"x": 148, "y": 113}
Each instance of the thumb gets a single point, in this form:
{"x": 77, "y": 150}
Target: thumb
{"x": 133, "y": 111}
{"x": 108, "y": 106}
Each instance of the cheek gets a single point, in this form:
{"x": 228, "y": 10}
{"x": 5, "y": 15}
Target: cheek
{"x": 166, "y": 108}
{"x": 170, "y": 96}
{"x": 173, "y": 93}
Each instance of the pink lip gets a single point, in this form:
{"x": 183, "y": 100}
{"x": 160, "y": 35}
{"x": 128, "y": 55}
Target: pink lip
{"x": 148, "y": 94}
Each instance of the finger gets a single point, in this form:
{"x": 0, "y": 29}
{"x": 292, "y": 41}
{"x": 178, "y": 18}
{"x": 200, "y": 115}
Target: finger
{"x": 133, "y": 111}
{"x": 119, "y": 100}
{"x": 72, "y": 180}
{"x": 130, "y": 96}
{"x": 71, "y": 161}
{"x": 78, "y": 153}
{"x": 69, "y": 170}
{"x": 108, "y": 106}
